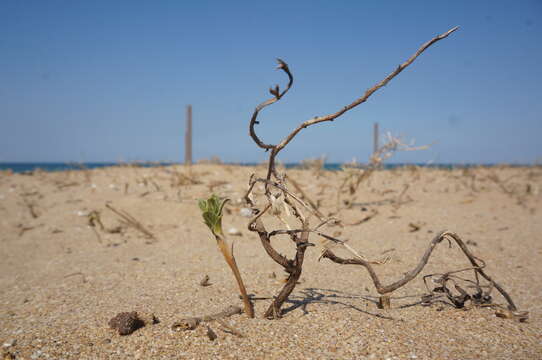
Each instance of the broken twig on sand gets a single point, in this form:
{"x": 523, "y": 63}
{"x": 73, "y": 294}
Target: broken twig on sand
{"x": 131, "y": 221}
{"x": 193, "y": 322}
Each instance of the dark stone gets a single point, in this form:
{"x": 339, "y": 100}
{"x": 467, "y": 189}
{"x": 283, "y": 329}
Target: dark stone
{"x": 126, "y": 322}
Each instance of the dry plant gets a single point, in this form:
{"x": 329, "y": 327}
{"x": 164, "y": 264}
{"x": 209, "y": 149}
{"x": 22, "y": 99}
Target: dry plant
{"x": 519, "y": 194}
{"x": 214, "y": 160}
{"x": 130, "y": 221}
{"x": 354, "y": 174}
{"x": 315, "y": 165}
{"x": 390, "y": 147}
{"x": 281, "y": 203}
{"x": 180, "y": 179}
{"x": 479, "y": 297}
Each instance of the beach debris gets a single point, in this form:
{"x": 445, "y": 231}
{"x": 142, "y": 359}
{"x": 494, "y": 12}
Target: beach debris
{"x": 234, "y": 232}
{"x": 115, "y": 230}
{"x": 31, "y": 205}
{"x": 368, "y": 217}
{"x": 205, "y": 281}
{"x": 413, "y": 227}
{"x": 387, "y": 251}
{"x": 8, "y": 355}
{"x": 229, "y": 328}
{"x": 94, "y": 221}
{"x": 9, "y": 343}
{"x": 384, "y": 302}
{"x": 520, "y": 316}
{"x": 83, "y": 276}
{"x": 245, "y": 212}
{"x": 62, "y": 185}
{"x": 129, "y": 220}
{"x": 211, "y": 334}
{"x": 24, "y": 228}
{"x": 458, "y": 297}
{"x": 216, "y": 183}
{"x": 180, "y": 179}
{"x": 193, "y": 322}
{"x": 126, "y": 322}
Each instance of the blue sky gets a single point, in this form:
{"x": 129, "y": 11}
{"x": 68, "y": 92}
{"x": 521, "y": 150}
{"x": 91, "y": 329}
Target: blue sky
{"x": 109, "y": 80}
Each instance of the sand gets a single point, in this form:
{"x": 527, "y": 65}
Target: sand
{"x": 62, "y": 280}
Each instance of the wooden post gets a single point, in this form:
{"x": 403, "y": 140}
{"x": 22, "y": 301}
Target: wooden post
{"x": 375, "y": 138}
{"x": 188, "y": 137}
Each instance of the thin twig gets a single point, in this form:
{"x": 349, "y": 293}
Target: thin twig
{"x": 306, "y": 198}
{"x": 130, "y": 220}
{"x": 193, "y": 322}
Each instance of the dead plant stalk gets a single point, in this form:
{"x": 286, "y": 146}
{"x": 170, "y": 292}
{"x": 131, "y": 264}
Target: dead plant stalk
{"x": 283, "y": 201}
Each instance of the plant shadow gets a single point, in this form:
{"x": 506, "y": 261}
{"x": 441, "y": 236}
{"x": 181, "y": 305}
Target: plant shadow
{"x": 337, "y": 297}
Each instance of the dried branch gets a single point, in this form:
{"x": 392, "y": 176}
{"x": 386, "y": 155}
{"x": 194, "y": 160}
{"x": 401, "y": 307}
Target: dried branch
{"x": 230, "y": 328}
{"x": 280, "y": 202}
{"x": 31, "y": 205}
{"x": 371, "y": 215}
{"x": 276, "y": 97}
{"x": 23, "y": 229}
{"x": 130, "y": 220}
{"x": 193, "y": 322}
{"x": 294, "y": 269}
{"x": 333, "y": 116}
{"x": 385, "y": 289}
{"x": 306, "y": 198}
{"x": 257, "y": 226}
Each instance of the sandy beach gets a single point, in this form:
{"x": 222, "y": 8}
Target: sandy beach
{"x": 71, "y": 261}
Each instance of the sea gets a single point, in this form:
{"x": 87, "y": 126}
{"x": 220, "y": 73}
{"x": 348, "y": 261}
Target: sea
{"x": 28, "y": 167}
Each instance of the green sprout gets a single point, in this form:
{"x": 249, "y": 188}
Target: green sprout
{"x": 212, "y": 216}
{"x": 212, "y": 213}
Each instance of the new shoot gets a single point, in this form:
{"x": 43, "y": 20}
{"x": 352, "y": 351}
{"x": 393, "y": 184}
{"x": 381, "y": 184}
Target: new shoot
{"x": 212, "y": 216}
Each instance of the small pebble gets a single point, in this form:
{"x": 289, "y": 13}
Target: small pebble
{"x": 126, "y": 322}
{"x": 211, "y": 334}
{"x": 234, "y": 232}
{"x": 245, "y": 212}
{"x": 9, "y": 343}
{"x": 205, "y": 281}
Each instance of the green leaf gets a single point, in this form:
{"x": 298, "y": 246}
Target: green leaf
{"x": 212, "y": 213}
